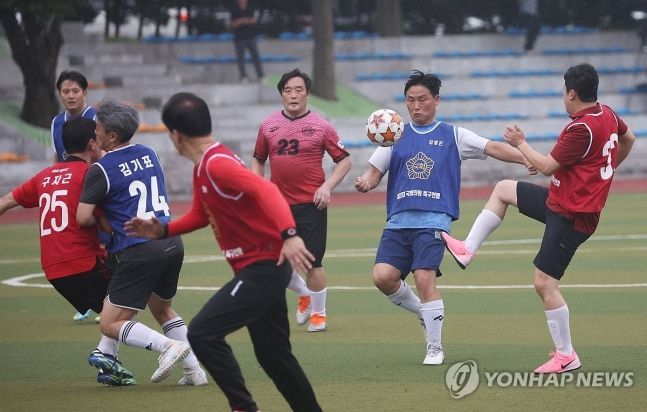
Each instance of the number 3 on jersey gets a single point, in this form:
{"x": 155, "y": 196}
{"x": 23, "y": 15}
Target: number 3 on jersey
{"x": 607, "y": 171}
{"x": 138, "y": 188}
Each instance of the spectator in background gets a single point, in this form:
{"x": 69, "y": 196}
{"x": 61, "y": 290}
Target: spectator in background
{"x": 243, "y": 24}
{"x": 529, "y": 10}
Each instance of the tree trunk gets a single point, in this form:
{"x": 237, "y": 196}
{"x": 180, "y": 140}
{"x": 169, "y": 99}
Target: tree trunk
{"x": 35, "y": 44}
{"x": 388, "y": 18}
{"x": 140, "y": 28}
{"x": 323, "y": 59}
{"x": 106, "y": 26}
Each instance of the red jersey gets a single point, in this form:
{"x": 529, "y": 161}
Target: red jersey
{"x": 65, "y": 247}
{"x": 586, "y": 153}
{"x": 246, "y": 212}
{"x": 296, "y": 148}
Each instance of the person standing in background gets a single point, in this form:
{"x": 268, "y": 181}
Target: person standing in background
{"x": 244, "y": 25}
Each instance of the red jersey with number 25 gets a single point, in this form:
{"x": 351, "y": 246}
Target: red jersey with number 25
{"x": 586, "y": 152}
{"x": 296, "y": 148}
{"x": 65, "y": 247}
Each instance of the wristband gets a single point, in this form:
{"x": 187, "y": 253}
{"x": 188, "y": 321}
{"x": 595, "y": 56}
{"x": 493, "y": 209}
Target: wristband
{"x": 288, "y": 233}
{"x": 164, "y": 230}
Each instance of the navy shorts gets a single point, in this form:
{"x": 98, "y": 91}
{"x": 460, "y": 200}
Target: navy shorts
{"x": 411, "y": 249}
{"x": 560, "y": 240}
{"x": 144, "y": 269}
{"x": 312, "y": 227}
{"x": 85, "y": 290}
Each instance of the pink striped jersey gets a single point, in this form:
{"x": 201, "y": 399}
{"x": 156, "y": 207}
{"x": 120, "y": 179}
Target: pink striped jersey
{"x": 295, "y": 148}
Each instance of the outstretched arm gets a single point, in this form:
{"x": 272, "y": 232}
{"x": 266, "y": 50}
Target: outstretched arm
{"x": 515, "y": 137}
{"x": 7, "y": 202}
{"x": 369, "y": 179}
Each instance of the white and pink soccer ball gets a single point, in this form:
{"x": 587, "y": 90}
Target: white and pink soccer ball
{"x": 384, "y": 127}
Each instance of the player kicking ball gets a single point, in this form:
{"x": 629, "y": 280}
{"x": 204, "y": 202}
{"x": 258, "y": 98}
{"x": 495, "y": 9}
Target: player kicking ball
{"x": 582, "y": 164}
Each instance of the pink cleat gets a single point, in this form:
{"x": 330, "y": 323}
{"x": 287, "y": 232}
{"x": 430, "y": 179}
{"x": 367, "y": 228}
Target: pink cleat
{"x": 457, "y": 249}
{"x": 559, "y": 363}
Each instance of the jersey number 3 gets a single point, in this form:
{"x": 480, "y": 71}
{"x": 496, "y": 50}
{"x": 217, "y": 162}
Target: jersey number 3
{"x": 137, "y": 187}
{"x": 607, "y": 171}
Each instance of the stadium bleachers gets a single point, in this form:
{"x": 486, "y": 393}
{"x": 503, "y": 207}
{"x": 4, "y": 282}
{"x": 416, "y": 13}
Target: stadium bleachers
{"x": 487, "y": 81}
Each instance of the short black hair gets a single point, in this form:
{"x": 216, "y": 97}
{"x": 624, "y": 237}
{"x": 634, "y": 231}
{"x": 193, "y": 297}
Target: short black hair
{"x": 74, "y": 76}
{"x": 584, "y": 80}
{"x": 77, "y": 132}
{"x": 188, "y": 114}
{"x": 294, "y": 73}
{"x": 428, "y": 80}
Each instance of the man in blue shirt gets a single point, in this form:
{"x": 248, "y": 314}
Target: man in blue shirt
{"x": 72, "y": 88}
{"x": 129, "y": 182}
{"x": 422, "y": 199}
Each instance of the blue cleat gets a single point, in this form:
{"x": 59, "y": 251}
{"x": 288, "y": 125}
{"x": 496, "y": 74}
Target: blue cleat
{"x": 114, "y": 380}
{"x": 80, "y": 317}
{"x": 110, "y": 369}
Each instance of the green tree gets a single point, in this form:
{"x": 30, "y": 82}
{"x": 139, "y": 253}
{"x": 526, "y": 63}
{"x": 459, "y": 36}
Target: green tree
{"x": 33, "y": 30}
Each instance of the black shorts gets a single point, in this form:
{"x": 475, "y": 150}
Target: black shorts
{"x": 143, "y": 269}
{"x": 85, "y": 290}
{"x": 312, "y": 227}
{"x": 560, "y": 240}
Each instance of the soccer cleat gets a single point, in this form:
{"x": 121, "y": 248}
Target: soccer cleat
{"x": 194, "y": 377}
{"x": 108, "y": 364}
{"x": 171, "y": 355}
{"x": 559, "y": 363}
{"x": 457, "y": 249}
{"x": 317, "y": 323}
{"x": 80, "y": 317}
{"x": 114, "y": 380}
{"x": 435, "y": 355}
{"x": 303, "y": 310}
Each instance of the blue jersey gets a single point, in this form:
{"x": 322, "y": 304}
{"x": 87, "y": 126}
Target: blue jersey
{"x": 57, "y": 130}
{"x": 135, "y": 188}
{"x": 425, "y": 172}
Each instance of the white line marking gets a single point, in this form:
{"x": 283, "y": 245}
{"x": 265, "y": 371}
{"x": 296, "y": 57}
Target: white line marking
{"x": 20, "y": 282}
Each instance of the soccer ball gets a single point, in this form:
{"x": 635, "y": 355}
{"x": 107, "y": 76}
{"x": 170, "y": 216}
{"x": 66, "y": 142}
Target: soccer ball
{"x": 384, "y": 127}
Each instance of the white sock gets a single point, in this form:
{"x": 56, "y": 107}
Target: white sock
{"x": 433, "y": 313}
{"x": 318, "y": 301}
{"x": 559, "y": 327}
{"x": 108, "y": 346}
{"x": 406, "y": 299}
{"x": 486, "y": 222}
{"x": 298, "y": 285}
{"x": 176, "y": 329}
{"x": 139, "y": 335}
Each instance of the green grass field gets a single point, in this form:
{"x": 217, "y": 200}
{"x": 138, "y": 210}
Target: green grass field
{"x": 370, "y": 358}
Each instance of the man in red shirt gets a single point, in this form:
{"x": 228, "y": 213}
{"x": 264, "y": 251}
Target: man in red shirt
{"x": 257, "y": 234}
{"x": 70, "y": 254}
{"x": 582, "y": 164}
{"x": 295, "y": 141}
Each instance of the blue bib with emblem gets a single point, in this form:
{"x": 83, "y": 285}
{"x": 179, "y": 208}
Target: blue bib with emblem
{"x": 425, "y": 171}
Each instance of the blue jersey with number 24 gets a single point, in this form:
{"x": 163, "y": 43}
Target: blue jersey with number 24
{"x": 135, "y": 188}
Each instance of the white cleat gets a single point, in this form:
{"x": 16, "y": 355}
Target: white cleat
{"x": 304, "y": 309}
{"x": 435, "y": 355}
{"x": 172, "y": 354}
{"x": 194, "y": 377}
